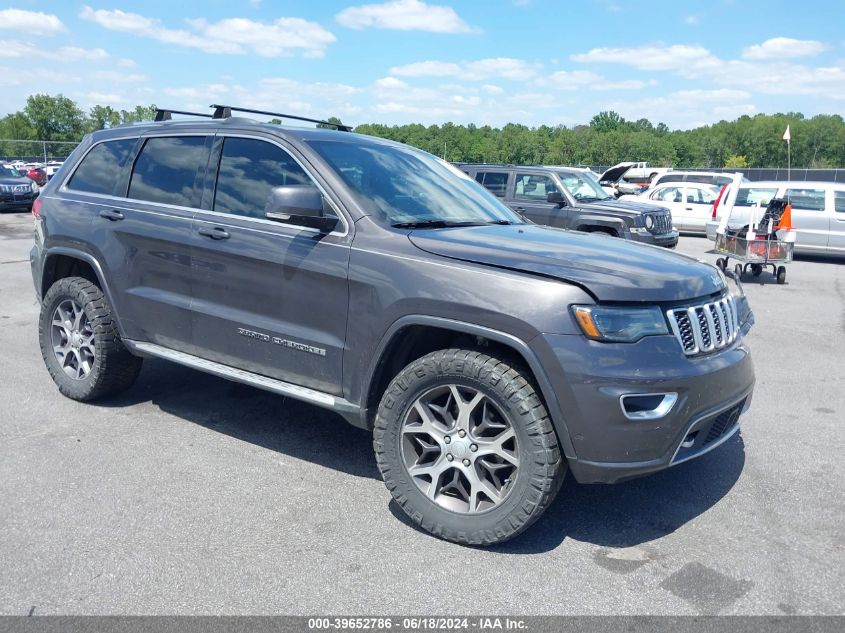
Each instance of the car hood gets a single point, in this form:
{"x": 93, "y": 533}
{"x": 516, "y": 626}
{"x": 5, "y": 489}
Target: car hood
{"x": 624, "y": 206}
{"x": 8, "y": 180}
{"x": 615, "y": 173}
{"x": 609, "y": 268}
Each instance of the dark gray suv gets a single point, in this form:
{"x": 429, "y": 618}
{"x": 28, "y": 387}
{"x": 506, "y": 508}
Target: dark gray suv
{"x": 486, "y": 355}
{"x": 570, "y": 198}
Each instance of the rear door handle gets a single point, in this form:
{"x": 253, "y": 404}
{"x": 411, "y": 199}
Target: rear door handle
{"x": 689, "y": 208}
{"x": 111, "y": 214}
{"x": 519, "y": 209}
{"x": 215, "y": 233}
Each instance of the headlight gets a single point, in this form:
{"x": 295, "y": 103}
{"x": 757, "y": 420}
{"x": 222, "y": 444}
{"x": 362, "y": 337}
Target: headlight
{"x": 622, "y": 325}
{"x": 649, "y": 222}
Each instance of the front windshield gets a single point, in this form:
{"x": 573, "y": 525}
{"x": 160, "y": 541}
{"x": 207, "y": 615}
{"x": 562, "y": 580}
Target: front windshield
{"x": 8, "y": 172}
{"x": 583, "y": 186}
{"x": 404, "y": 186}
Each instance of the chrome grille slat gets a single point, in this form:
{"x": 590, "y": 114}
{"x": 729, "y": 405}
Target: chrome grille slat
{"x": 705, "y": 327}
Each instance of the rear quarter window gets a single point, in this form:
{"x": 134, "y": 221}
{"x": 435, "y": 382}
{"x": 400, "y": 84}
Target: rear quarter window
{"x": 839, "y": 201}
{"x": 101, "y": 168}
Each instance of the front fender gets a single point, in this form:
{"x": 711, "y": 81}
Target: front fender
{"x": 516, "y": 344}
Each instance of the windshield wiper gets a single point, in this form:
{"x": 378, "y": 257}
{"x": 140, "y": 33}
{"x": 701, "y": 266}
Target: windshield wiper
{"x": 594, "y": 199}
{"x": 433, "y": 224}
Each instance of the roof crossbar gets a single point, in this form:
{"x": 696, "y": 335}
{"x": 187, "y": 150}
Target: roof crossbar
{"x": 164, "y": 114}
{"x": 223, "y": 112}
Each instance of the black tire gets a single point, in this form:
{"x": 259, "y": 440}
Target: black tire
{"x": 535, "y": 484}
{"x": 721, "y": 264}
{"x": 756, "y": 270}
{"x": 738, "y": 270}
{"x": 113, "y": 368}
{"x": 781, "y": 274}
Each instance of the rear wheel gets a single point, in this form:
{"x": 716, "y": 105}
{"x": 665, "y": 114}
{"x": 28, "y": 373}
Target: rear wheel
{"x": 781, "y": 274}
{"x": 80, "y": 343}
{"x": 738, "y": 270}
{"x": 756, "y": 270}
{"x": 466, "y": 447}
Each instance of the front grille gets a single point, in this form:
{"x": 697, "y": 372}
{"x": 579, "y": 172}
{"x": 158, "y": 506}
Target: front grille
{"x": 662, "y": 224}
{"x": 705, "y": 328}
{"x": 724, "y": 422}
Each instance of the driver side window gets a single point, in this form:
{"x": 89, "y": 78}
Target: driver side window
{"x": 533, "y": 187}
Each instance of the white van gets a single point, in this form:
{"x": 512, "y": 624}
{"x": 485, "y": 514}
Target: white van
{"x": 818, "y": 211}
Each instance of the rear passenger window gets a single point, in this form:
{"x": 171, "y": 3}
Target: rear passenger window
{"x": 839, "y": 201}
{"x": 166, "y": 170}
{"x": 533, "y": 187}
{"x": 496, "y": 182}
{"x": 806, "y": 199}
{"x": 750, "y": 196}
{"x": 249, "y": 170}
{"x": 100, "y": 170}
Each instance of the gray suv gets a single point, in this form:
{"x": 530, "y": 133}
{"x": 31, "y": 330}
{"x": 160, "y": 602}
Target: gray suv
{"x": 570, "y": 198}
{"x": 486, "y": 355}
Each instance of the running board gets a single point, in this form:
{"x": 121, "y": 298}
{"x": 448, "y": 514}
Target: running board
{"x": 349, "y": 410}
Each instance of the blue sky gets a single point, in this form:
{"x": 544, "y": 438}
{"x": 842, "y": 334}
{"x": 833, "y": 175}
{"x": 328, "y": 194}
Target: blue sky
{"x": 401, "y": 61}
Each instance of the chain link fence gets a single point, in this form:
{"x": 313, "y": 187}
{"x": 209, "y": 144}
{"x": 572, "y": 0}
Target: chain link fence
{"x": 35, "y": 151}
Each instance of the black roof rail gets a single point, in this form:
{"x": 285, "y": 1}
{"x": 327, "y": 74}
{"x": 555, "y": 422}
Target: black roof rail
{"x": 224, "y": 112}
{"x": 164, "y": 114}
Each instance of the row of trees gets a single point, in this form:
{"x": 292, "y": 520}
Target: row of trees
{"x": 817, "y": 142}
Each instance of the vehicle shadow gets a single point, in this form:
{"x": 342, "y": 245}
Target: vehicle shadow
{"x": 252, "y": 415}
{"x": 621, "y": 515}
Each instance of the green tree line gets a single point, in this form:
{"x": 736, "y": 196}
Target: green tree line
{"x": 817, "y": 142}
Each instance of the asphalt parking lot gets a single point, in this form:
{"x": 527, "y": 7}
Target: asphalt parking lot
{"x": 193, "y": 495}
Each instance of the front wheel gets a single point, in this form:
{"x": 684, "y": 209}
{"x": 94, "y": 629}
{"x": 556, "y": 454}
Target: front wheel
{"x": 466, "y": 447}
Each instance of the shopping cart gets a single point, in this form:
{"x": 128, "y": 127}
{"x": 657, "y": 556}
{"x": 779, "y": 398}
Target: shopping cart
{"x": 759, "y": 243}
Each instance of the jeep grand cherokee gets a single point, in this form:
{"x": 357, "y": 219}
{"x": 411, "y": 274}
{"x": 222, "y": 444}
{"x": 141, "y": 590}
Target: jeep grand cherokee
{"x": 487, "y": 356}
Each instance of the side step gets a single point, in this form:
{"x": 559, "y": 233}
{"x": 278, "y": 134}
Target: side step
{"x": 342, "y": 406}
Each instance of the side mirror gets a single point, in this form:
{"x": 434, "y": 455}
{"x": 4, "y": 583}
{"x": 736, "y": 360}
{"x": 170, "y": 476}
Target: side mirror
{"x": 299, "y": 204}
{"x": 556, "y": 197}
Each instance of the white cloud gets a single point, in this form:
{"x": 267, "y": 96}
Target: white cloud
{"x": 30, "y": 22}
{"x": 114, "y": 76}
{"x": 125, "y": 62}
{"x": 283, "y": 36}
{"x": 27, "y": 50}
{"x": 105, "y": 98}
{"x": 783, "y": 48}
{"x": 652, "y": 57}
{"x": 404, "y": 15}
{"x": 692, "y": 20}
{"x": 625, "y": 84}
{"x": 688, "y": 108}
{"x": 501, "y": 67}
{"x": 571, "y": 80}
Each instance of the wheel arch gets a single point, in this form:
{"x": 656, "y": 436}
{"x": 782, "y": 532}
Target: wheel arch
{"x": 61, "y": 262}
{"x": 414, "y": 336}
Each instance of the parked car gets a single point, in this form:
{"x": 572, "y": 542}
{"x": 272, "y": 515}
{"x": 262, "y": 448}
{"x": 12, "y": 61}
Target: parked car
{"x": 37, "y": 175}
{"x": 630, "y": 178}
{"x": 818, "y": 211}
{"x": 51, "y": 168}
{"x": 487, "y": 355}
{"x": 573, "y": 199}
{"x": 690, "y": 203}
{"x": 17, "y": 192}
{"x": 706, "y": 177}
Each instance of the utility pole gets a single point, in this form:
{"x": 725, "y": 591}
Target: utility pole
{"x": 788, "y": 138}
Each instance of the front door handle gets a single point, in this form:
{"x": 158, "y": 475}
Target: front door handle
{"x": 519, "y": 209}
{"x": 111, "y": 214}
{"x": 689, "y": 208}
{"x": 215, "y": 233}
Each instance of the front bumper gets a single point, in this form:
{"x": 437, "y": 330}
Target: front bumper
{"x": 668, "y": 240}
{"x": 712, "y": 392}
{"x": 16, "y": 202}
